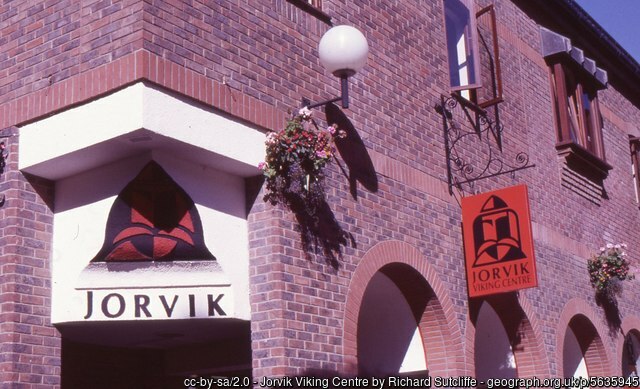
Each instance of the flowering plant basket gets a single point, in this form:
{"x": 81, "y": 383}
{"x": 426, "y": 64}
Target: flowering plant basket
{"x": 608, "y": 268}
{"x": 295, "y": 160}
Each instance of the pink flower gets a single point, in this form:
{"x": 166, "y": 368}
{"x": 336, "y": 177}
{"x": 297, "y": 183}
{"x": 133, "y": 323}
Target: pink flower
{"x": 332, "y": 129}
{"x": 305, "y": 113}
{"x": 262, "y": 165}
{"x": 272, "y": 138}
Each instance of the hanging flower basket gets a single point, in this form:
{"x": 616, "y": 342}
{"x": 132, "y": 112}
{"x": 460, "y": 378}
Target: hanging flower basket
{"x": 295, "y": 161}
{"x": 608, "y": 268}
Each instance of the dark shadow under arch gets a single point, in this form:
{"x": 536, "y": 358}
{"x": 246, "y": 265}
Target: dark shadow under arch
{"x": 526, "y": 345}
{"x": 428, "y": 317}
{"x": 591, "y": 345}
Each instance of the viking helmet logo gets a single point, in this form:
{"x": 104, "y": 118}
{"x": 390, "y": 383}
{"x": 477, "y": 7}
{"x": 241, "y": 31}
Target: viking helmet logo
{"x": 496, "y": 233}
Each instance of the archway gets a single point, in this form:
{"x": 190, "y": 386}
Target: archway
{"x": 399, "y": 319}
{"x": 631, "y": 354}
{"x": 390, "y": 342}
{"x": 583, "y": 353}
{"x": 504, "y": 339}
{"x": 573, "y": 361}
{"x": 494, "y": 356}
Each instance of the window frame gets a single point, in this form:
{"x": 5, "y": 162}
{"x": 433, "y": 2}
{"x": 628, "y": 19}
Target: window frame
{"x": 471, "y": 41}
{"x": 478, "y": 46}
{"x": 579, "y": 131}
{"x": 497, "y": 70}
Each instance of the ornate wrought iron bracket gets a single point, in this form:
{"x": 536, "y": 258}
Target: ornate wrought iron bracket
{"x": 473, "y": 144}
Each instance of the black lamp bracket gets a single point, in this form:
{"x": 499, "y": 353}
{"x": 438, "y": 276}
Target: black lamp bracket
{"x": 344, "y": 98}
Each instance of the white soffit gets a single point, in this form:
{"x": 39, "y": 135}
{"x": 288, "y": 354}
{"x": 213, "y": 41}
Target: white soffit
{"x": 132, "y": 121}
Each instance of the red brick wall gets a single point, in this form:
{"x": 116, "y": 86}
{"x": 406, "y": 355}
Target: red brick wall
{"x": 47, "y": 42}
{"x": 30, "y": 345}
{"x": 257, "y": 59}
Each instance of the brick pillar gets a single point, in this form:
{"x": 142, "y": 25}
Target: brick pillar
{"x": 297, "y": 303}
{"x": 266, "y": 244}
{"x": 29, "y": 346}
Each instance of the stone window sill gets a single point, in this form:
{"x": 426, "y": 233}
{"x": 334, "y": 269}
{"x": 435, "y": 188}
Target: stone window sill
{"x": 583, "y": 161}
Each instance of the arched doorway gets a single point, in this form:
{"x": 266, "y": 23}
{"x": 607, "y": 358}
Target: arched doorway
{"x": 389, "y": 339}
{"x": 502, "y": 339}
{"x": 494, "y": 356}
{"x": 395, "y": 321}
{"x": 631, "y": 354}
{"x": 583, "y": 353}
{"x": 573, "y": 358}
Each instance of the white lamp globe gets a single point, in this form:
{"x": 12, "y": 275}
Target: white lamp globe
{"x": 343, "y": 50}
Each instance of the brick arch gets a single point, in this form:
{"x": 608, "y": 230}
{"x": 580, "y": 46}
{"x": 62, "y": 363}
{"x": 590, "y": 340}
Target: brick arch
{"x": 426, "y": 295}
{"x": 523, "y": 330}
{"x": 583, "y": 321}
{"x": 630, "y": 324}
{"x": 540, "y": 364}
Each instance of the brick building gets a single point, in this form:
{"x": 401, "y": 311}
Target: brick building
{"x": 137, "y": 251}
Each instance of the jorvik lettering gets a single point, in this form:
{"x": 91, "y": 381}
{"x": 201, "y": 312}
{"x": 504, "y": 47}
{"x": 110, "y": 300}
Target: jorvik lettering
{"x": 501, "y": 272}
{"x": 502, "y": 277}
{"x": 116, "y": 305}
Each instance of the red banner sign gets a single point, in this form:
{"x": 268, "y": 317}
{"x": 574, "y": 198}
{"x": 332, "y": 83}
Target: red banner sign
{"x": 498, "y": 243}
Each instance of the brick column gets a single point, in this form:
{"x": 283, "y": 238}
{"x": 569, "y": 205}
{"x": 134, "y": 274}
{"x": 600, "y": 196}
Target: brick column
{"x": 29, "y": 345}
{"x": 297, "y": 303}
{"x": 266, "y": 244}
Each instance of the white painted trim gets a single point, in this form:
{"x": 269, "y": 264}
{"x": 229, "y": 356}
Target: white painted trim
{"x": 135, "y": 120}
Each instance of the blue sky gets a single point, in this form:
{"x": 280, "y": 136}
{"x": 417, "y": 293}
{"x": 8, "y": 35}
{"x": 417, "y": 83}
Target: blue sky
{"x": 620, "y": 18}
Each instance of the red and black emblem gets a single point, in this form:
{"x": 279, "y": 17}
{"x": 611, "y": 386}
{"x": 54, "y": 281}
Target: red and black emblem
{"x": 153, "y": 219}
{"x": 496, "y": 233}
{"x": 498, "y": 243}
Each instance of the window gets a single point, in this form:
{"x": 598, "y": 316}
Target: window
{"x": 575, "y": 82}
{"x": 577, "y": 113}
{"x": 462, "y": 44}
{"x": 577, "y": 116}
{"x": 472, "y": 50}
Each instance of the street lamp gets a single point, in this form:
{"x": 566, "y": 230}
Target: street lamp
{"x": 343, "y": 52}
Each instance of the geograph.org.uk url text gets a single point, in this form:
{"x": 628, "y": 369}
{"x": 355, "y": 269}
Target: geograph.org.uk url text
{"x": 557, "y": 383}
